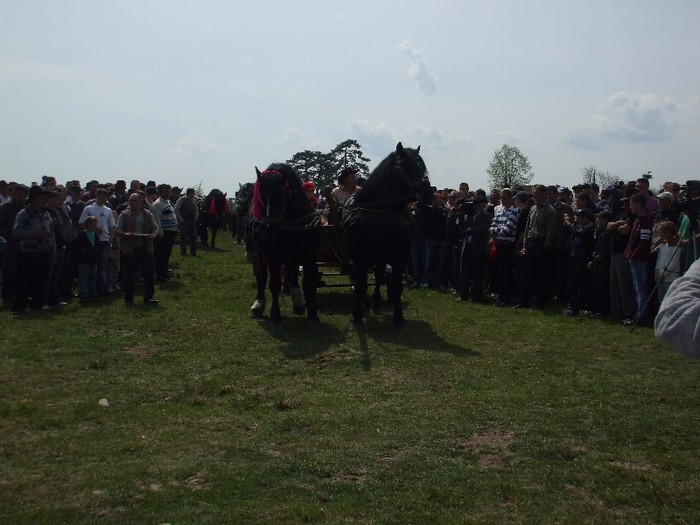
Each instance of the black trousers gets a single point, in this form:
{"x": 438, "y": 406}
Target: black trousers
{"x": 162, "y": 249}
{"x": 505, "y": 270}
{"x": 535, "y": 273}
{"x": 33, "y": 274}
{"x": 130, "y": 263}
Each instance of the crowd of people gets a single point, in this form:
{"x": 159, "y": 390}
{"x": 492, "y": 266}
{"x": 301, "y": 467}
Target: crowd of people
{"x": 596, "y": 252}
{"x": 59, "y": 242}
{"x": 601, "y": 253}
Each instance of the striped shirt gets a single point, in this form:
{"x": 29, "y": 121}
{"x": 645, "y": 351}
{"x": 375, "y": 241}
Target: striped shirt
{"x": 505, "y": 224}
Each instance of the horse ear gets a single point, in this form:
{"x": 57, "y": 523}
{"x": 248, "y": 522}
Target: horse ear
{"x": 399, "y": 148}
{"x": 418, "y": 149}
{"x": 258, "y": 172}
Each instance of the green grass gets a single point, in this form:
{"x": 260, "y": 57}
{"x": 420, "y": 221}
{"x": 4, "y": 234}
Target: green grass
{"x": 472, "y": 414}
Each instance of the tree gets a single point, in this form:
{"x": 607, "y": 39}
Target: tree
{"x": 591, "y": 174}
{"x": 349, "y": 153}
{"x": 314, "y": 166}
{"x": 509, "y": 168}
{"x": 323, "y": 168}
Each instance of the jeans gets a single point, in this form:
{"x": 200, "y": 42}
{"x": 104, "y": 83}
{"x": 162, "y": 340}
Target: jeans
{"x": 103, "y": 267}
{"x": 87, "y": 281}
{"x": 188, "y": 232}
{"x": 641, "y": 288}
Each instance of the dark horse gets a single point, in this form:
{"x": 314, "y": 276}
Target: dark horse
{"x": 239, "y": 209}
{"x": 285, "y": 231}
{"x": 215, "y": 210}
{"x": 376, "y": 225}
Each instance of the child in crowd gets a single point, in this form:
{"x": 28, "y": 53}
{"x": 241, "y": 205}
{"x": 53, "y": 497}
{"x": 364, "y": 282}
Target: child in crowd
{"x": 88, "y": 253}
{"x": 668, "y": 260}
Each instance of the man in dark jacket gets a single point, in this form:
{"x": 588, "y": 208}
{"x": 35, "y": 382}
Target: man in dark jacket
{"x": 475, "y": 227}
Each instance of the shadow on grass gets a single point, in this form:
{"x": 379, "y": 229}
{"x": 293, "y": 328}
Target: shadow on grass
{"x": 300, "y": 341}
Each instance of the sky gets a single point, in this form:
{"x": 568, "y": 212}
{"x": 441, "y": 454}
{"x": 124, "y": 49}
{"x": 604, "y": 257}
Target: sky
{"x": 202, "y": 91}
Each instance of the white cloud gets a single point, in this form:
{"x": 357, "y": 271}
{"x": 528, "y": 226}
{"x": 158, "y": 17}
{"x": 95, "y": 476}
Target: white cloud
{"x": 300, "y": 139}
{"x": 380, "y": 138}
{"x": 420, "y": 71}
{"x": 190, "y": 146}
{"x": 626, "y": 117}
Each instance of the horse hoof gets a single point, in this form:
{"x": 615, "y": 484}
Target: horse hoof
{"x": 257, "y": 310}
{"x": 298, "y": 305}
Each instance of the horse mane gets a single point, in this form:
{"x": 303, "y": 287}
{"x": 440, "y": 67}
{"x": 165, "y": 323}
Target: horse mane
{"x": 382, "y": 183}
{"x": 297, "y": 195}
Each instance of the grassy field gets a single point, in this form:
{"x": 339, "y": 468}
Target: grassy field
{"x": 472, "y": 414}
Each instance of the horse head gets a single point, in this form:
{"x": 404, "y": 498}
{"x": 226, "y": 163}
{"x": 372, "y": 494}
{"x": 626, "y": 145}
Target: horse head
{"x": 273, "y": 191}
{"x": 412, "y": 167}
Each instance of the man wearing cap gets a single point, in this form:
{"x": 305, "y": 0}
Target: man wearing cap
{"x": 34, "y": 229}
{"x": 347, "y": 185}
{"x": 668, "y": 208}
{"x": 578, "y": 280}
{"x": 11, "y": 255}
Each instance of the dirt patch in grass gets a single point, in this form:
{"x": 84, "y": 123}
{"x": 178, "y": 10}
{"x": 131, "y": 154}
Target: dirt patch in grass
{"x": 491, "y": 447}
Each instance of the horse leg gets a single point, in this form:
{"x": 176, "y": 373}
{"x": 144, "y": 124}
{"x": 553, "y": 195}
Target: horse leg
{"x": 309, "y": 284}
{"x": 275, "y": 287}
{"x": 395, "y": 289}
{"x": 379, "y": 273}
{"x": 258, "y": 308}
{"x": 360, "y": 293}
{"x": 291, "y": 282}
{"x": 213, "y": 235}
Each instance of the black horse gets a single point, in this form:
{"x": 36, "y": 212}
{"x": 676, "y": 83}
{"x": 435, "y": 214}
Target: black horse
{"x": 239, "y": 208}
{"x": 285, "y": 233}
{"x": 212, "y": 216}
{"x": 376, "y": 225}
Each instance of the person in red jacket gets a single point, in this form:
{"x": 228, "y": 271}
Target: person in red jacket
{"x": 637, "y": 253}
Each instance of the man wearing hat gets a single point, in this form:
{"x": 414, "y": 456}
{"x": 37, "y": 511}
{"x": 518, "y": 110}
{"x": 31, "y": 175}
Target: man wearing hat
{"x": 119, "y": 195}
{"x": 347, "y": 185}
{"x": 34, "y": 229}
{"x": 11, "y": 255}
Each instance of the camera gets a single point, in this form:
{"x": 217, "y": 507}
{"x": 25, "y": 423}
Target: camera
{"x": 465, "y": 206}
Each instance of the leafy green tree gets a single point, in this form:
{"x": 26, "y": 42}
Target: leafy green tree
{"x": 509, "y": 168}
{"x": 349, "y": 153}
{"x": 323, "y": 168}
{"x": 314, "y": 166}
